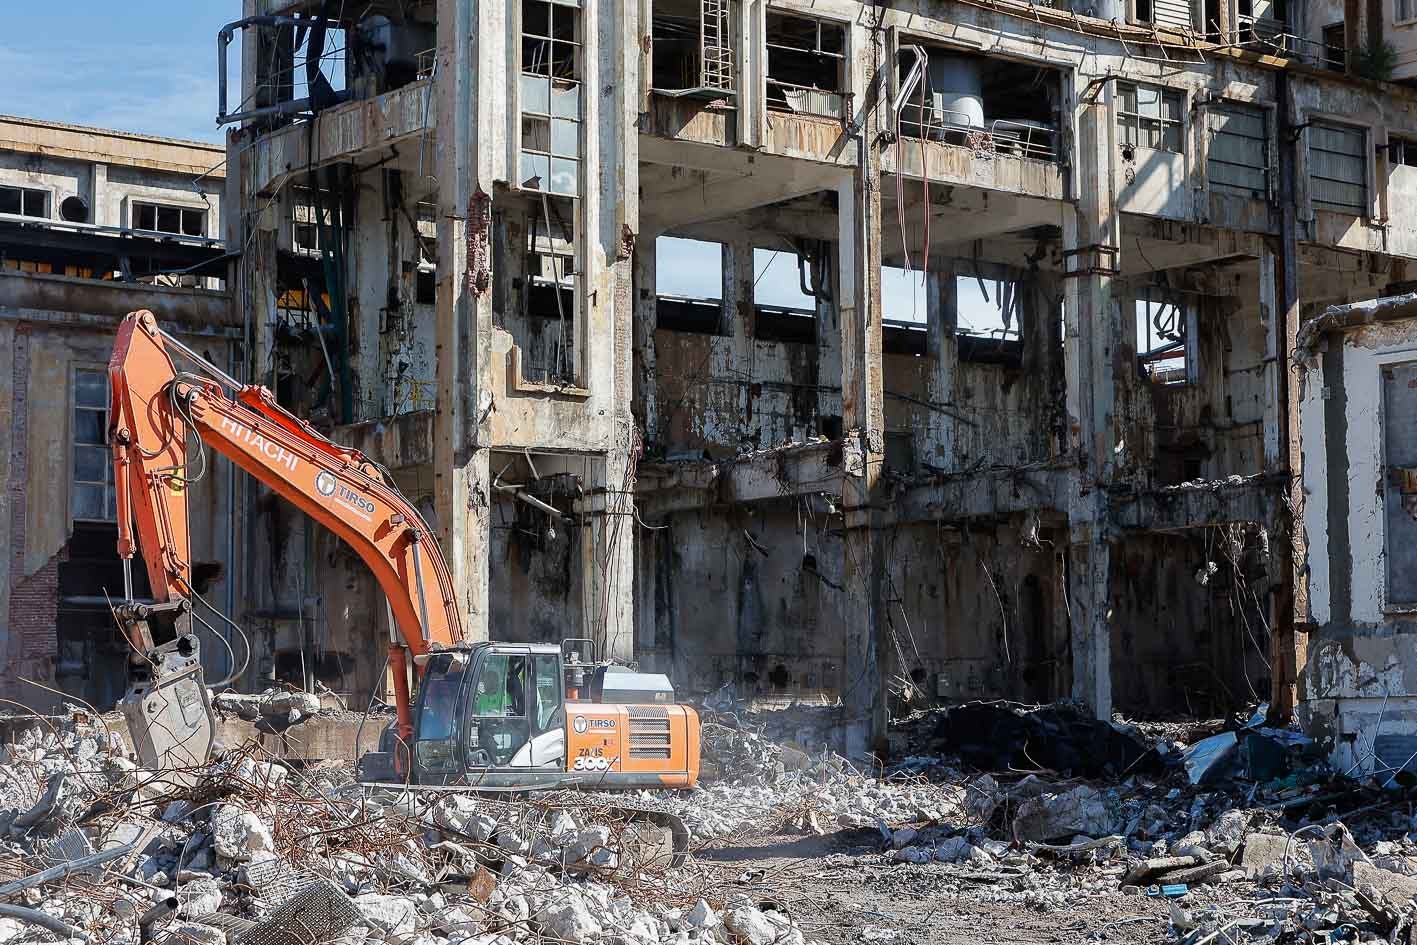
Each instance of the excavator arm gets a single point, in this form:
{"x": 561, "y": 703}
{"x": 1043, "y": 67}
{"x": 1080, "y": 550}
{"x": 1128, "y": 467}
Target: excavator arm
{"x": 154, "y": 407}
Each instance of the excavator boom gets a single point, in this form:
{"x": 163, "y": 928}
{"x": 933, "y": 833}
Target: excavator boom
{"x": 154, "y": 407}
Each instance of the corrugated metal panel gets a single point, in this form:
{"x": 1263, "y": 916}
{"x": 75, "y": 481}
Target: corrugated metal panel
{"x": 1400, "y": 448}
{"x": 1338, "y": 171}
{"x": 1171, "y": 13}
{"x": 1239, "y": 149}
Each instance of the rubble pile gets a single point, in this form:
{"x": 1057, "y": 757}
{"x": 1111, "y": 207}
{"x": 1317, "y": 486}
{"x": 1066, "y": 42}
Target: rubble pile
{"x": 1244, "y": 835}
{"x": 750, "y": 783}
{"x": 95, "y": 849}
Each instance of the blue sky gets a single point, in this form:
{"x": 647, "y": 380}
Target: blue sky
{"x": 143, "y": 65}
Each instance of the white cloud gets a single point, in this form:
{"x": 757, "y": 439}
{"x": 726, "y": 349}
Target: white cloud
{"x": 143, "y": 89}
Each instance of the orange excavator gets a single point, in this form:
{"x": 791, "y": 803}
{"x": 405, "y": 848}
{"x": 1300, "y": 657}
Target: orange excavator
{"x": 494, "y": 716}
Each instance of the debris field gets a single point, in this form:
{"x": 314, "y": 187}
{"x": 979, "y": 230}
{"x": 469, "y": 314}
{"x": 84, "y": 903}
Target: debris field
{"x": 998, "y": 824}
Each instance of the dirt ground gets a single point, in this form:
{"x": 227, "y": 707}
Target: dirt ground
{"x": 844, "y": 894}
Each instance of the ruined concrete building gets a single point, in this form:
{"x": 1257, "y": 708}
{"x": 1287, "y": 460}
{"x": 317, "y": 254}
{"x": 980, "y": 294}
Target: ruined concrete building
{"x": 832, "y": 350}
{"x": 93, "y": 224}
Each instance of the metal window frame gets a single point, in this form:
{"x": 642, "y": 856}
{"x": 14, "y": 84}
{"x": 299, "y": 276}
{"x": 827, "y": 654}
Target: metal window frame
{"x": 45, "y": 192}
{"x": 1137, "y": 117}
{"x": 549, "y": 115}
{"x": 110, "y": 489}
{"x": 1187, "y": 311}
{"x": 181, "y": 207}
{"x": 843, "y": 58}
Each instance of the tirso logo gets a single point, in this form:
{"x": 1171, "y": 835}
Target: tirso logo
{"x": 325, "y": 483}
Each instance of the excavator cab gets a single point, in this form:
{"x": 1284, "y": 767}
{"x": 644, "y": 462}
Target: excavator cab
{"x": 513, "y": 716}
{"x": 489, "y": 709}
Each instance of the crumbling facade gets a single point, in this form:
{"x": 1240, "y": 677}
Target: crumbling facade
{"x": 1016, "y": 423}
{"x": 1360, "y": 473}
{"x": 93, "y": 224}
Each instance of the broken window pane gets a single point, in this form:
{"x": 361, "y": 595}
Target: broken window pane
{"x": 536, "y": 133}
{"x": 34, "y": 203}
{"x": 536, "y": 95}
{"x": 566, "y": 99}
{"x": 535, "y": 171}
{"x": 536, "y": 18}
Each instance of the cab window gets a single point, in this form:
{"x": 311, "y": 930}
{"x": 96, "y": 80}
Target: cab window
{"x": 548, "y": 691}
{"x": 441, "y": 682}
{"x": 501, "y": 687}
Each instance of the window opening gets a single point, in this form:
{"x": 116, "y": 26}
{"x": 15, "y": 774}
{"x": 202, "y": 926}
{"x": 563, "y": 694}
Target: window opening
{"x": 1162, "y": 342}
{"x": 93, "y": 492}
{"x": 903, "y": 299}
{"x": 688, "y": 285}
{"x": 1403, "y": 11}
{"x": 164, "y": 218}
{"x": 1264, "y": 23}
{"x": 551, "y": 97}
{"x": 988, "y": 105}
{"x": 552, "y": 292}
{"x": 783, "y": 305}
{"x": 693, "y": 49}
{"x": 1238, "y": 159}
{"x": 304, "y": 221}
{"x": 1335, "y": 40}
{"x": 24, "y": 201}
{"x": 806, "y": 67}
{"x": 1402, "y": 152}
{"x": 1163, "y": 13}
{"x": 1338, "y": 168}
{"x": 1150, "y": 116}
{"x": 988, "y": 319}
{"x": 427, "y": 220}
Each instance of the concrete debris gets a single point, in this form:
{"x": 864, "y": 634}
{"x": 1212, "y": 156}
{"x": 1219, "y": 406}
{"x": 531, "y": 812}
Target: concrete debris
{"x": 255, "y": 851}
{"x": 274, "y": 710}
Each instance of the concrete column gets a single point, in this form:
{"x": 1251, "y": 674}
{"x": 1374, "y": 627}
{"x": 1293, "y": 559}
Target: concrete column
{"x": 1290, "y": 602}
{"x": 464, "y": 307}
{"x": 738, "y": 294}
{"x": 608, "y": 560}
{"x": 863, "y": 421}
{"x": 1093, "y": 238}
{"x": 937, "y": 447}
{"x": 645, "y": 384}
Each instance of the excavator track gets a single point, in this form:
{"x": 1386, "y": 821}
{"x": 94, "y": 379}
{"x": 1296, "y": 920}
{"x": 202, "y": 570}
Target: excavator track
{"x": 534, "y": 807}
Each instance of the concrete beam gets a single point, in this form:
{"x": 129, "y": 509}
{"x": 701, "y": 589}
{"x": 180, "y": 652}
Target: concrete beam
{"x": 1235, "y": 500}
{"x": 353, "y": 131}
